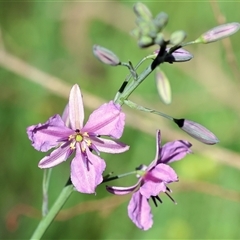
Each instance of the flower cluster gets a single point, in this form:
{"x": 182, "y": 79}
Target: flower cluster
{"x": 68, "y": 136}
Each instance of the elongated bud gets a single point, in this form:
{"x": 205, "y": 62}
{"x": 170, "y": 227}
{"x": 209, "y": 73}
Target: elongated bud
{"x": 161, "y": 20}
{"x": 179, "y": 55}
{"x": 177, "y": 37}
{"x": 163, "y": 86}
{"x": 218, "y": 33}
{"x": 145, "y": 41}
{"x": 106, "y": 56}
{"x": 159, "y": 39}
{"x": 197, "y": 131}
{"x": 142, "y": 11}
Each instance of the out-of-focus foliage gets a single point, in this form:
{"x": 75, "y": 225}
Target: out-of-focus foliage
{"x": 57, "y": 38}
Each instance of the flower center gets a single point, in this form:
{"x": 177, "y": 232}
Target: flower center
{"x": 81, "y": 138}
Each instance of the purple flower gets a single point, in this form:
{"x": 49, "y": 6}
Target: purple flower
{"x": 152, "y": 180}
{"x": 68, "y": 135}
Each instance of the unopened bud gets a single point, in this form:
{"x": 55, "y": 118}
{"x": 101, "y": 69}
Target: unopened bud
{"x": 218, "y": 33}
{"x": 197, "y": 131}
{"x": 145, "y": 41}
{"x": 177, "y": 37}
{"x": 142, "y": 11}
{"x": 161, "y": 20}
{"x": 163, "y": 86}
{"x": 179, "y": 55}
{"x": 159, "y": 39}
{"x": 106, "y": 56}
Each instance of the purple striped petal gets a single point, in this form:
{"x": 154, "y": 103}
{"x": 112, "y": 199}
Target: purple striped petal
{"x": 76, "y": 111}
{"x": 107, "y": 120}
{"x": 139, "y": 211}
{"x": 56, "y": 157}
{"x": 47, "y": 135}
{"x": 109, "y": 146}
{"x": 86, "y": 171}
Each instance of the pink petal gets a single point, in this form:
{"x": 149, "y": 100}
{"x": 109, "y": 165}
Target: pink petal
{"x": 47, "y": 135}
{"x": 174, "y": 151}
{"x": 57, "y": 156}
{"x": 109, "y": 146}
{"x": 86, "y": 171}
{"x": 107, "y": 120}
{"x": 65, "y": 116}
{"x": 76, "y": 111}
{"x": 139, "y": 211}
{"x": 122, "y": 190}
{"x": 156, "y": 180}
{"x": 158, "y": 150}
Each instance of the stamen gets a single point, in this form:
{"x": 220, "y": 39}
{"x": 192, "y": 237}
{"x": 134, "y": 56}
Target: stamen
{"x": 170, "y": 197}
{"x": 159, "y": 199}
{"x": 154, "y": 201}
{"x": 73, "y": 145}
{"x": 154, "y": 198}
{"x": 168, "y": 189}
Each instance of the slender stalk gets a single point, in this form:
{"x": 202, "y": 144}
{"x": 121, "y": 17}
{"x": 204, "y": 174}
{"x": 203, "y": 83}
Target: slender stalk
{"x": 121, "y": 96}
{"x": 46, "y": 181}
{"x": 47, "y": 220}
{"x": 145, "y": 109}
{"x": 122, "y": 88}
{"x": 107, "y": 179}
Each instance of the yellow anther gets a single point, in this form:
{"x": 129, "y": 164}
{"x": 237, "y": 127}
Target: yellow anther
{"x": 71, "y": 137}
{"x": 88, "y": 142}
{"x": 73, "y": 145}
{"x": 85, "y": 134}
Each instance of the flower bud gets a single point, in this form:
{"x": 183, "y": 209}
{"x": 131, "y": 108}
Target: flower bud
{"x": 142, "y": 11}
{"x": 159, "y": 39}
{"x": 179, "y": 55}
{"x": 161, "y": 20}
{"x": 197, "y": 131}
{"x": 163, "y": 86}
{"x": 218, "y": 33}
{"x": 106, "y": 56}
{"x": 177, "y": 37}
{"x": 145, "y": 41}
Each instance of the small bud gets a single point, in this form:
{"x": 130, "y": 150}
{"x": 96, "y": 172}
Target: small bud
{"x": 177, "y": 37}
{"x": 145, "y": 41}
{"x": 106, "y": 56}
{"x": 161, "y": 20}
{"x": 197, "y": 131}
{"x": 135, "y": 32}
{"x": 218, "y": 33}
{"x": 144, "y": 27}
{"x": 142, "y": 11}
{"x": 159, "y": 39}
{"x": 163, "y": 86}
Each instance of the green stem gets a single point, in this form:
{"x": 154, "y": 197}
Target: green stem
{"x": 108, "y": 178}
{"x": 145, "y": 109}
{"x": 46, "y": 181}
{"x": 120, "y": 97}
{"x": 47, "y": 220}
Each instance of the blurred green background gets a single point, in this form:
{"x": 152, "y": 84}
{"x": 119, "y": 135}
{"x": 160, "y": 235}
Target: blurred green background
{"x": 56, "y": 38}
